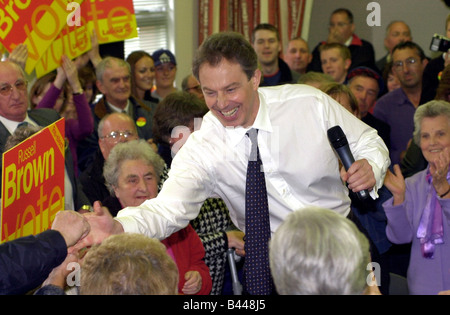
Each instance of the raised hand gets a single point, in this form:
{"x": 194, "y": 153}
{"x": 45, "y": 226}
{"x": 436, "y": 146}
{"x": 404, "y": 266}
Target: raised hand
{"x": 438, "y": 170}
{"x": 395, "y": 182}
{"x": 19, "y": 55}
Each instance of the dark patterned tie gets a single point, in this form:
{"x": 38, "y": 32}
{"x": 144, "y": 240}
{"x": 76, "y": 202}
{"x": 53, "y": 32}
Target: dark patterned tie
{"x": 258, "y": 280}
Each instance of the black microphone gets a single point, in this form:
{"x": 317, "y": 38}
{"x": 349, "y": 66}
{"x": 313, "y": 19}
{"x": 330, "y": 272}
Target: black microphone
{"x": 339, "y": 142}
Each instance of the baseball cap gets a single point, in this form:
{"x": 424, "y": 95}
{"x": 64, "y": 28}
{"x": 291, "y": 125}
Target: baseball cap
{"x": 163, "y": 56}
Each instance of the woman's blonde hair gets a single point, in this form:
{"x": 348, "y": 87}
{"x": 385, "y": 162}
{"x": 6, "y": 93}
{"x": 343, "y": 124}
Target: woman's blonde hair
{"x": 129, "y": 264}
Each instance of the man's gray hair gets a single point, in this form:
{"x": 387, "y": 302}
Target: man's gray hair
{"x": 108, "y": 63}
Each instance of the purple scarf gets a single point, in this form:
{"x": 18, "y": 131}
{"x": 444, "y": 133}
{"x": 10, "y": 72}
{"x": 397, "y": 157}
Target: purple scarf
{"x": 431, "y": 230}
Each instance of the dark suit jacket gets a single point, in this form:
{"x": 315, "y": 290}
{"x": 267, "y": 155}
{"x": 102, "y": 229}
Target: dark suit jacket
{"x": 287, "y": 75}
{"x": 361, "y": 50}
{"x": 26, "y": 262}
{"x": 44, "y": 117}
{"x": 92, "y": 180}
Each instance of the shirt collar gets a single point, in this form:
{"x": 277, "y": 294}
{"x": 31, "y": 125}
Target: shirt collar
{"x": 355, "y": 41}
{"x": 117, "y": 109}
{"x": 11, "y": 125}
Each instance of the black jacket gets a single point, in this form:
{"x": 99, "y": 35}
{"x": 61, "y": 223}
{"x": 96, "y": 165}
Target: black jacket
{"x": 26, "y": 262}
{"x": 362, "y": 52}
{"x": 93, "y": 181}
{"x": 287, "y": 75}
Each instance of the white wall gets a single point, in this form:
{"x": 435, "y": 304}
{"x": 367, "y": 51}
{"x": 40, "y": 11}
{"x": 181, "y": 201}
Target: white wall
{"x": 186, "y": 36}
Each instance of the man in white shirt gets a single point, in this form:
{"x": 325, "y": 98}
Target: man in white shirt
{"x": 300, "y": 165}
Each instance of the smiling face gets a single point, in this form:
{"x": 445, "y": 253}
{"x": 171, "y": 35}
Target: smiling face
{"x": 165, "y": 75}
{"x": 229, "y": 94}
{"x": 267, "y": 47}
{"x": 434, "y": 136}
{"x": 144, "y": 74}
{"x": 116, "y": 84}
{"x": 136, "y": 183}
{"x": 334, "y": 64}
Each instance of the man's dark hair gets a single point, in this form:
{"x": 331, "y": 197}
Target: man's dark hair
{"x": 267, "y": 27}
{"x": 410, "y": 45}
{"x": 345, "y": 11}
{"x": 231, "y": 46}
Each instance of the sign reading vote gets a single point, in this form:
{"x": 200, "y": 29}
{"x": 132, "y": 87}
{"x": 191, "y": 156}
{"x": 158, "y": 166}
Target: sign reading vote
{"x": 33, "y": 183}
{"x": 51, "y": 28}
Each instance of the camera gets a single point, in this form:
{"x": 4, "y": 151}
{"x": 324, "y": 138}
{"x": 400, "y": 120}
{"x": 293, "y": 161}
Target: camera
{"x": 440, "y": 43}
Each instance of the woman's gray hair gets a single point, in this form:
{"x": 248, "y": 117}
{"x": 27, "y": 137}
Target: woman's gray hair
{"x": 131, "y": 150}
{"x": 318, "y": 251}
{"x": 21, "y": 134}
{"x": 429, "y": 110}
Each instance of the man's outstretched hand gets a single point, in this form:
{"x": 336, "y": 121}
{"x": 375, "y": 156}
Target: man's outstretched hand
{"x": 102, "y": 225}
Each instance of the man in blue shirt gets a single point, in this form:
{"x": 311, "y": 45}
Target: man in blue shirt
{"x": 397, "y": 108}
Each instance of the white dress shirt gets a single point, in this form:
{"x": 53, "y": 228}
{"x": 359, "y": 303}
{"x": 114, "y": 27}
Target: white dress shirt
{"x": 12, "y": 125}
{"x": 301, "y": 167}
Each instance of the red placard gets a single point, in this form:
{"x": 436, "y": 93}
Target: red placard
{"x": 33, "y": 183}
{"x": 51, "y": 28}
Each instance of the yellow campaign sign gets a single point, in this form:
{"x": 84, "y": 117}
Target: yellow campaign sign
{"x": 113, "y": 20}
{"x": 71, "y": 43}
{"x": 116, "y": 22}
{"x": 34, "y": 23}
{"x": 33, "y": 183}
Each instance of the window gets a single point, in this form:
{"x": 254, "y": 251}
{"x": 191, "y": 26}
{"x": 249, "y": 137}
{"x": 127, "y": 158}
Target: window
{"x": 152, "y": 17}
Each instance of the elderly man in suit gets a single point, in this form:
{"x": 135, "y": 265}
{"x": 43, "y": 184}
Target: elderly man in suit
{"x": 114, "y": 83}
{"x": 14, "y": 111}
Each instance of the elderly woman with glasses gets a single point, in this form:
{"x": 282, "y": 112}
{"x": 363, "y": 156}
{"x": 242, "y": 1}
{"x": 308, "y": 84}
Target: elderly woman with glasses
{"x": 132, "y": 172}
{"x": 419, "y": 210}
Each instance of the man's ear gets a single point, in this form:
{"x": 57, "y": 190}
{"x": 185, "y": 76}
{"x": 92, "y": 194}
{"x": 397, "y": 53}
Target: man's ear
{"x": 99, "y": 85}
{"x": 348, "y": 63}
{"x": 256, "y": 78}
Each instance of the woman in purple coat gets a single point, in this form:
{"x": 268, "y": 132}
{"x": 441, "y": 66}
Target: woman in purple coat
{"x": 419, "y": 211}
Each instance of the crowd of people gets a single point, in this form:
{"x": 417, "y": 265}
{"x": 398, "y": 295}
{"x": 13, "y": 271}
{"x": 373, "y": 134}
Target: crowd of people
{"x": 157, "y": 189}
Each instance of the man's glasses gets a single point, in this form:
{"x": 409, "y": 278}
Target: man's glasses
{"x": 398, "y": 65}
{"x": 6, "y": 88}
{"x": 115, "y": 135}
